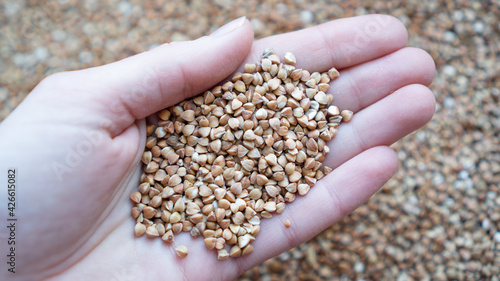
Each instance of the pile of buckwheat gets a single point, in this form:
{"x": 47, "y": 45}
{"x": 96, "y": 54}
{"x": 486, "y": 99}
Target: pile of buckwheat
{"x": 218, "y": 163}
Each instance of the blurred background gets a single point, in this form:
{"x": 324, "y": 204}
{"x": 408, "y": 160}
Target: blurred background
{"x": 437, "y": 219}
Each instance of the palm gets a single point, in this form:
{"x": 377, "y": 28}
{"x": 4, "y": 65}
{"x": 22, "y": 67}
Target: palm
{"x": 379, "y": 81}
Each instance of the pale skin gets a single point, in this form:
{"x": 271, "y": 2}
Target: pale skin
{"x": 74, "y": 217}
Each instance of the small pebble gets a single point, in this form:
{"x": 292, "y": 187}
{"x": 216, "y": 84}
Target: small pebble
{"x": 41, "y": 53}
{"x": 496, "y": 236}
{"x": 306, "y": 16}
{"x": 449, "y": 70}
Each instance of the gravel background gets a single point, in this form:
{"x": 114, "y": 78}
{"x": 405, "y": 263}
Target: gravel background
{"x": 438, "y": 218}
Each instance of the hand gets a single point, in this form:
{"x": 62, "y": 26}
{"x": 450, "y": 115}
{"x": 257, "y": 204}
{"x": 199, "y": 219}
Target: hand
{"x": 77, "y": 139}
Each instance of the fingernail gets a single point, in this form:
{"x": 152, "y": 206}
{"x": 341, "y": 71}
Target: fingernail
{"x": 228, "y": 27}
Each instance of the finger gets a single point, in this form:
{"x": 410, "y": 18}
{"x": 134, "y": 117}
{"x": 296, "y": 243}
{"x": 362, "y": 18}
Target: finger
{"x": 138, "y": 86}
{"x": 382, "y": 123}
{"x": 340, "y": 43}
{"x": 333, "y": 197}
{"x": 362, "y": 85}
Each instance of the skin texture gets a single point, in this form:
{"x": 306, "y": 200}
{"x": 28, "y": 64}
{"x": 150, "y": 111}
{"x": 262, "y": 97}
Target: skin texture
{"x": 76, "y": 141}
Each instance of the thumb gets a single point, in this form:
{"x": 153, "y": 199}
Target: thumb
{"x": 139, "y": 86}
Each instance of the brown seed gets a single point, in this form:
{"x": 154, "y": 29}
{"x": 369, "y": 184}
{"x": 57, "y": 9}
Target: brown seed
{"x": 255, "y": 220}
{"x": 164, "y": 114}
{"x": 333, "y": 73}
{"x": 250, "y": 68}
{"x": 136, "y": 197}
{"x": 234, "y": 123}
{"x": 148, "y": 212}
{"x": 328, "y": 170}
{"x": 136, "y": 211}
{"x": 150, "y": 129}
{"x": 295, "y": 176}
{"x": 187, "y": 115}
{"x": 235, "y": 104}
{"x": 177, "y": 228}
{"x": 236, "y": 188}
{"x": 151, "y": 232}
{"x": 222, "y": 254}
{"x": 161, "y": 228}
{"x": 333, "y": 110}
{"x": 174, "y": 180}
{"x": 210, "y": 242}
{"x": 297, "y": 94}
{"x": 179, "y": 205}
{"x": 140, "y": 229}
{"x": 216, "y": 145}
{"x": 175, "y": 217}
{"x": 287, "y": 223}
{"x": 160, "y": 132}
{"x": 289, "y": 58}
{"x": 247, "y": 164}
{"x": 271, "y": 159}
{"x": 266, "y": 64}
{"x": 289, "y": 168}
{"x": 272, "y": 190}
{"x": 346, "y": 115}
{"x": 155, "y": 202}
{"x": 275, "y": 123}
{"x": 192, "y": 208}
{"x": 326, "y": 135}
{"x": 240, "y": 86}
{"x": 268, "y": 52}
{"x": 219, "y": 243}
{"x": 289, "y": 197}
{"x": 235, "y": 251}
{"x": 182, "y": 251}
{"x": 279, "y": 176}
{"x": 274, "y": 59}
{"x": 219, "y": 193}
{"x": 238, "y": 218}
{"x": 150, "y": 142}
{"x": 320, "y": 97}
{"x": 283, "y": 130}
{"x": 220, "y": 214}
{"x": 312, "y": 145}
{"x": 309, "y": 163}
{"x": 165, "y": 216}
{"x": 303, "y": 189}
{"x": 168, "y": 236}
{"x": 243, "y": 241}
{"x": 255, "y": 194}
{"x": 249, "y": 135}
{"x": 146, "y": 157}
{"x": 280, "y": 207}
{"x": 270, "y": 206}
{"x": 152, "y": 167}
{"x": 172, "y": 158}
{"x": 261, "y": 114}
{"x": 274, "y": 83}
{"x": 247, "y": 250}
{"x": 262, "y": 180}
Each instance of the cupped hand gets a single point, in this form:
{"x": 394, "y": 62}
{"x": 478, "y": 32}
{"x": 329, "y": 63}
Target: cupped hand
{"x": 76, "y": 143}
